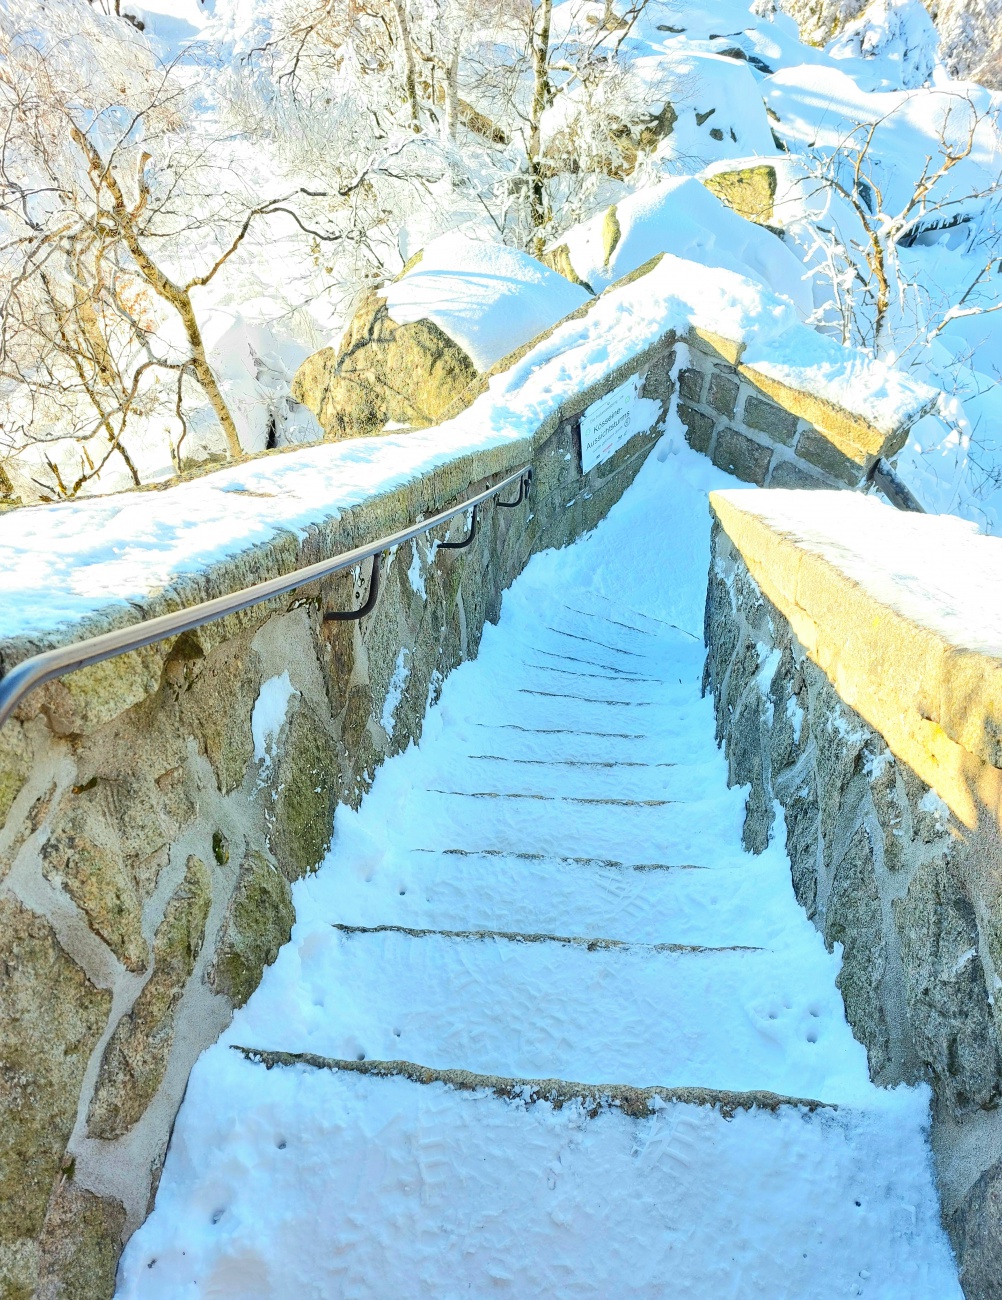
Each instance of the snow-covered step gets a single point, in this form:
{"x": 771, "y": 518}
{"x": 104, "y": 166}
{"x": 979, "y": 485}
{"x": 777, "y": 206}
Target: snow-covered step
{"x": 573, "y": 826}
{"x": 576, "y": 1008}
{"x": 335, "y": 1183}
{"x": 459, "y": 889}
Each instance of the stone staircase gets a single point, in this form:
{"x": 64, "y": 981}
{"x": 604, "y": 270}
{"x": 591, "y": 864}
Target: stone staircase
{"x": 543, "y": 1028}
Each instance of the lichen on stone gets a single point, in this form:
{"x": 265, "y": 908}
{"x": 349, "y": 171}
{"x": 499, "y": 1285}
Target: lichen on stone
{"x": 135, "y": 1058}
{"x": 305, "y": 793}
{"x": 82, "y": 854}
{"x": 52, "y": 1017}
{"x": 383, "y": 372}
{"x": 750, "y": 191}
{"x": 258, "y": 921}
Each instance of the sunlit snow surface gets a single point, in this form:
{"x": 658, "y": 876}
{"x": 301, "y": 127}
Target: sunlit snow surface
{"x": 299, "y": 1182}
{"x": 92, "y": 554}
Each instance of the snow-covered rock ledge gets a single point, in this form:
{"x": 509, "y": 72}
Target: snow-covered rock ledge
{"x": 855, "y": 657}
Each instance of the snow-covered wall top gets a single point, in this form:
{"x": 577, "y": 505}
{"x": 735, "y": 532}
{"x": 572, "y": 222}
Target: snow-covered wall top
{"x": 104, "y": 558}
{"x": 901, "y": 612}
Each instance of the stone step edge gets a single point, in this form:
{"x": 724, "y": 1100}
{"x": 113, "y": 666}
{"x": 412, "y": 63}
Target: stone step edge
{"x": 554, "y": 857}
{"x": 633, "y": 1101}
{"x": 517, "y": 936}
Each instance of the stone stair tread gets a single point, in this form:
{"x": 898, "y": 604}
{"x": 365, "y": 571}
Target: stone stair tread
{"x": 334, "y": 1182}
{"x": 553, "y": 1008}
{"x": 631, "y": 1100}
{"x": 589, "y": 944}
{"x": 741, "y": 904}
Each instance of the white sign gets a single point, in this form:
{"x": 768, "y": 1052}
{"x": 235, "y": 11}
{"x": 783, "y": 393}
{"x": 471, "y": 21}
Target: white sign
{"x": 609, "y": 423}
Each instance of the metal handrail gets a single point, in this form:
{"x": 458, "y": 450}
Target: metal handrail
{"x": 45, "y": 667}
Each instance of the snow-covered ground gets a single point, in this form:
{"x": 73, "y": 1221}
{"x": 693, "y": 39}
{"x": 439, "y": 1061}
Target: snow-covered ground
{"x": 551, "y": 886}
{"x": 743, "y": 88}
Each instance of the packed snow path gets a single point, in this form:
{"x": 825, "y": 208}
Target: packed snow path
{"x": 551, "y": 887}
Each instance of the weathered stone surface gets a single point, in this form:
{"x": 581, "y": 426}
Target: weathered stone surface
{"x": 788, "y": 474}
{"x": 690, "y": 384}
{"x": 723, "y": 394}
{"x": 764, "y": 415}
{"x": 741, "y": 456}
{"x": 83, "y": 855}
{"x": 136, "y": 1055}
{"x": 559, "y": 259}
{"x": 217, "y": 707}
{"x": 952, "y": 1022}
{"x": 51, "y": 1018}
{"x": 307, "y": 783}
{"x": 803, "y": 837}
{"x": 976, "y": 1229}
{"x": 818, "y": 450}
{"x": 853, "y": 918}
{"x": 81, "y": 1243}
{"x": 699, "y": 428}
{"x": 15, "y": 763}
{"x": 383, "y": 372}
{"x": 658, "y": 383}
{"x": 745, "y": 754}
{"x": 750, "y": 191}
{"x": 258, "y": 921}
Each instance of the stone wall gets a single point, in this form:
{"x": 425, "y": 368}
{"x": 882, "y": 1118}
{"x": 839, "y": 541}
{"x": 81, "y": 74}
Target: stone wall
{"x": 147, "y": 851}
{"x": 767, "y": 434}
{"x": 887, "y": 860}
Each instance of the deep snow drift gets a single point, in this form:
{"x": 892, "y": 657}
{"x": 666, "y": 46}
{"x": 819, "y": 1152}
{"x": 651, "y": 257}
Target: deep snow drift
{"x": 552, "y": 885}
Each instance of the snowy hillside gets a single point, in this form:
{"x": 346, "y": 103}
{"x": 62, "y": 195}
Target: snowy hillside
{"x": 230, "y": 176}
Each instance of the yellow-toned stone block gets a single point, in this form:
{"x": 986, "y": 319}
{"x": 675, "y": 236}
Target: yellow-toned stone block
{"x": 937, "y": 705}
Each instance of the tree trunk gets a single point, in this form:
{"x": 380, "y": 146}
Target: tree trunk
{"x": 410, "y": 65}
{"x": 178, "y": 297}
{"x": 451, "y": 96}
{"x": 540, "y": 102}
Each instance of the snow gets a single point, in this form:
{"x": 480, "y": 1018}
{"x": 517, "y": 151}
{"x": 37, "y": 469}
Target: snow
{"x": 892, "y": 44}
{"x": 821, "y": 107}
{"x": 936, "y": 570}
{"x": 488, "y": 298}
{"x": 395, "y": 693}
{"x": 268, "y": 716}
{"x": 566, "y": 784}
{"x": 92, "y": 554}
{"x": 680, "y": 216}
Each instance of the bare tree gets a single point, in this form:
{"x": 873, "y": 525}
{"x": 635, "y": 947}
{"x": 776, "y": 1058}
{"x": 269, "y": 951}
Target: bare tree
{"x": 872, "y": 290}
{"x": 113, "y": 216}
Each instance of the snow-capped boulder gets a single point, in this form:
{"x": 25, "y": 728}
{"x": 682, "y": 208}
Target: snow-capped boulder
{"x": 678, "y": 216}
{"x": 414, "y": 350}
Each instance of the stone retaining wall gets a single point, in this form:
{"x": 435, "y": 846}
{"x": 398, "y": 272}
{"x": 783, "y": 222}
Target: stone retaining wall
{"x": 836, "y": 707}
{"x": 767, "y": 434}
{"x": 147, "y": 853}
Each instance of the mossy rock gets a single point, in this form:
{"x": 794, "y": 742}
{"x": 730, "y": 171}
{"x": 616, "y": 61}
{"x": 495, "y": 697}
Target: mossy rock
{"x": 559, "y": 259}
{"x": 80, "y": 1245}
{"x": 135, "y": 1058}
{"x": 306, "y": 788}
{"x": 611, "y": 234}
{"x": 15, "y": 763}
{"x": 258, "y": 922}
{"x": 750, "y": 191}
{"x": 83, "y": 856}
{"x": 383, "y": 373}
{"x": 658, "y": 127}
